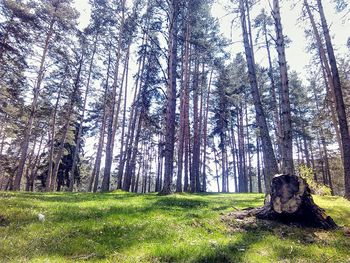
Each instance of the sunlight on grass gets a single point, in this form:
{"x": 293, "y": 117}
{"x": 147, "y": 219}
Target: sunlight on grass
{"x": 125, "y": 227}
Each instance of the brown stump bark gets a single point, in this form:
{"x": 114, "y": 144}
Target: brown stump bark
{"x": 291, "y": 202}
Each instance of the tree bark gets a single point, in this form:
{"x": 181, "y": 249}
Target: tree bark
{"x": 183, "y": 110}
{"x": 205, "y": 132}
{"x": 270, "y": 159}
{"x": 171, "y": 98}
{"x": 52, "y": 136}
{"x": 96, "y": 170}
{"x": 34, "y": 105}
{"x": 60, "y": 150}
{"x": 111, "y": 131}
{"x": 80, "y": 129}
{"x": 286, "y": 119}
{"x": 196, "y": 131}
{"x": 327, "y": 75}
{"x": 258, "y": 164}
{"x": 343, "y": 124}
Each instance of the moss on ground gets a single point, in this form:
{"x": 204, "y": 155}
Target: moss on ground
{"x": 126, "y": 227}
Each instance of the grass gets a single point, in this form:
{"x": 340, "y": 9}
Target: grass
{"x": 126, "y": 227}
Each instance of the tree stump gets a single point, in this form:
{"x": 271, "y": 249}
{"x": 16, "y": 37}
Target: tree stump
{"x": 291, "y": 202}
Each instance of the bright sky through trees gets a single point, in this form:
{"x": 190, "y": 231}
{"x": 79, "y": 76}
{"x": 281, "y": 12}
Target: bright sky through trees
{"x": 293, "y": 26}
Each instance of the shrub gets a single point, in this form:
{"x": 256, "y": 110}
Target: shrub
{"x": 316, "y": 188}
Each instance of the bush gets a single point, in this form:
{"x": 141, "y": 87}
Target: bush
{"x": 316, "y": 188}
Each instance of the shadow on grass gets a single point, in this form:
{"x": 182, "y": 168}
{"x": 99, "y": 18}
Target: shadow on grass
{"x": 181, "y": 202}
{"x": 68, "y": 196}
{"x": 147, "y": 209}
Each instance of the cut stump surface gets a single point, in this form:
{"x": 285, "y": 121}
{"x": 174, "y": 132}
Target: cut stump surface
{"x": 290, "y": 202}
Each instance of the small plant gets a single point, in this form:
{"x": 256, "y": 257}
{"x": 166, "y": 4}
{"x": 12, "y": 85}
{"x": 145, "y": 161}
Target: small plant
{"x": 316, "y": 188}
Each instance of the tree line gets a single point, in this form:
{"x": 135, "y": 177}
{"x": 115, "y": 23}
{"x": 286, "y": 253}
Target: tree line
{"x": 167, "y": 108}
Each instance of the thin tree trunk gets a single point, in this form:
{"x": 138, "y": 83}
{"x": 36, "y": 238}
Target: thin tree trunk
{"x": 326, "y": 163}
{"x": 35, "y": 167}
{"x": 34, "y": 105}
{"x": 328, "y": 76}
{"x": 234, "y": 157}
{"x": 286, "y": 119}
{"x": 111, "y": 131}
{"x": 80, "y": 130}
{"x": 270, "y": 160}
{"x": 132, "y": 126}
{"x": 52, "y": 139}
{"x": 248, "y": 151}
{"x": 258, "y": 164}
{"x": 183, "y": 110}
{"x": 306, "y": 148}
{"x": 129, "y": 175}
{"x": 275, "y": 108}
{"x": 96, "y": 170}
{"x": 241, "y": 166}
{"x": 196, "y": 143}
{"x": 313, "y": 162}
{"x": 120, "y": 174}
{"x": 216, "y": 168}
{"x": 205, "y": 128}
{"x": 171, "y": 98}
{"x": 30, "y": 163}
{"x": 60, "y": 150}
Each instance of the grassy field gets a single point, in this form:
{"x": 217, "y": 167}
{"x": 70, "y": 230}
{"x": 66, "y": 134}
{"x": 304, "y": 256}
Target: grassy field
{"x": 124, "y": 227}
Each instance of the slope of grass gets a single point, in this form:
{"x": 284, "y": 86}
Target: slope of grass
{"x": 125, "y": 227}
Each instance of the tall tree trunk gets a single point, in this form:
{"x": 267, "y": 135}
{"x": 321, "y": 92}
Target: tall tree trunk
{"x": 286, "y": 119}
{"x": 196, "y": 142}
{"x": 240, "y": 139}
{"x": 205, "y": 132}
{"x": 159, "y": 165}
{"x": 34, "y": 105}
{"x": 327, "y": 73}
{"x": 234, "y": 157}
{"x": 248, "y": 151}
{"x": 183, "y": 110}
{"x": 113, "y": 116}
{"x": 80, "y": 129}
{"x": 35, "y": 166}
{"x": 52, "y": 136}
{"x": 30, "y": 163}
{"x": 270, "y": 160}
{"x": 171, "y": 97}
{"x": 216, "y": 168}
{"x": 129, "y": 175}
{"x": 125, "y": 159}
{"x": 343, "y": 124}
{"x": 120, "y": 174}
{"x": 275, "y": 108}
{"x": 96, "y": 170}
{"x": 60, "y": 149}
{"x": 258, "y": 164}
{"x": 313, "y": 163}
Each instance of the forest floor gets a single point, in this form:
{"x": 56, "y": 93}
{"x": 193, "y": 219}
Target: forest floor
{"x": 126, "y": 227}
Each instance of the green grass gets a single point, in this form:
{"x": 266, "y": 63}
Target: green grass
{"x": 125, "y": 227}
